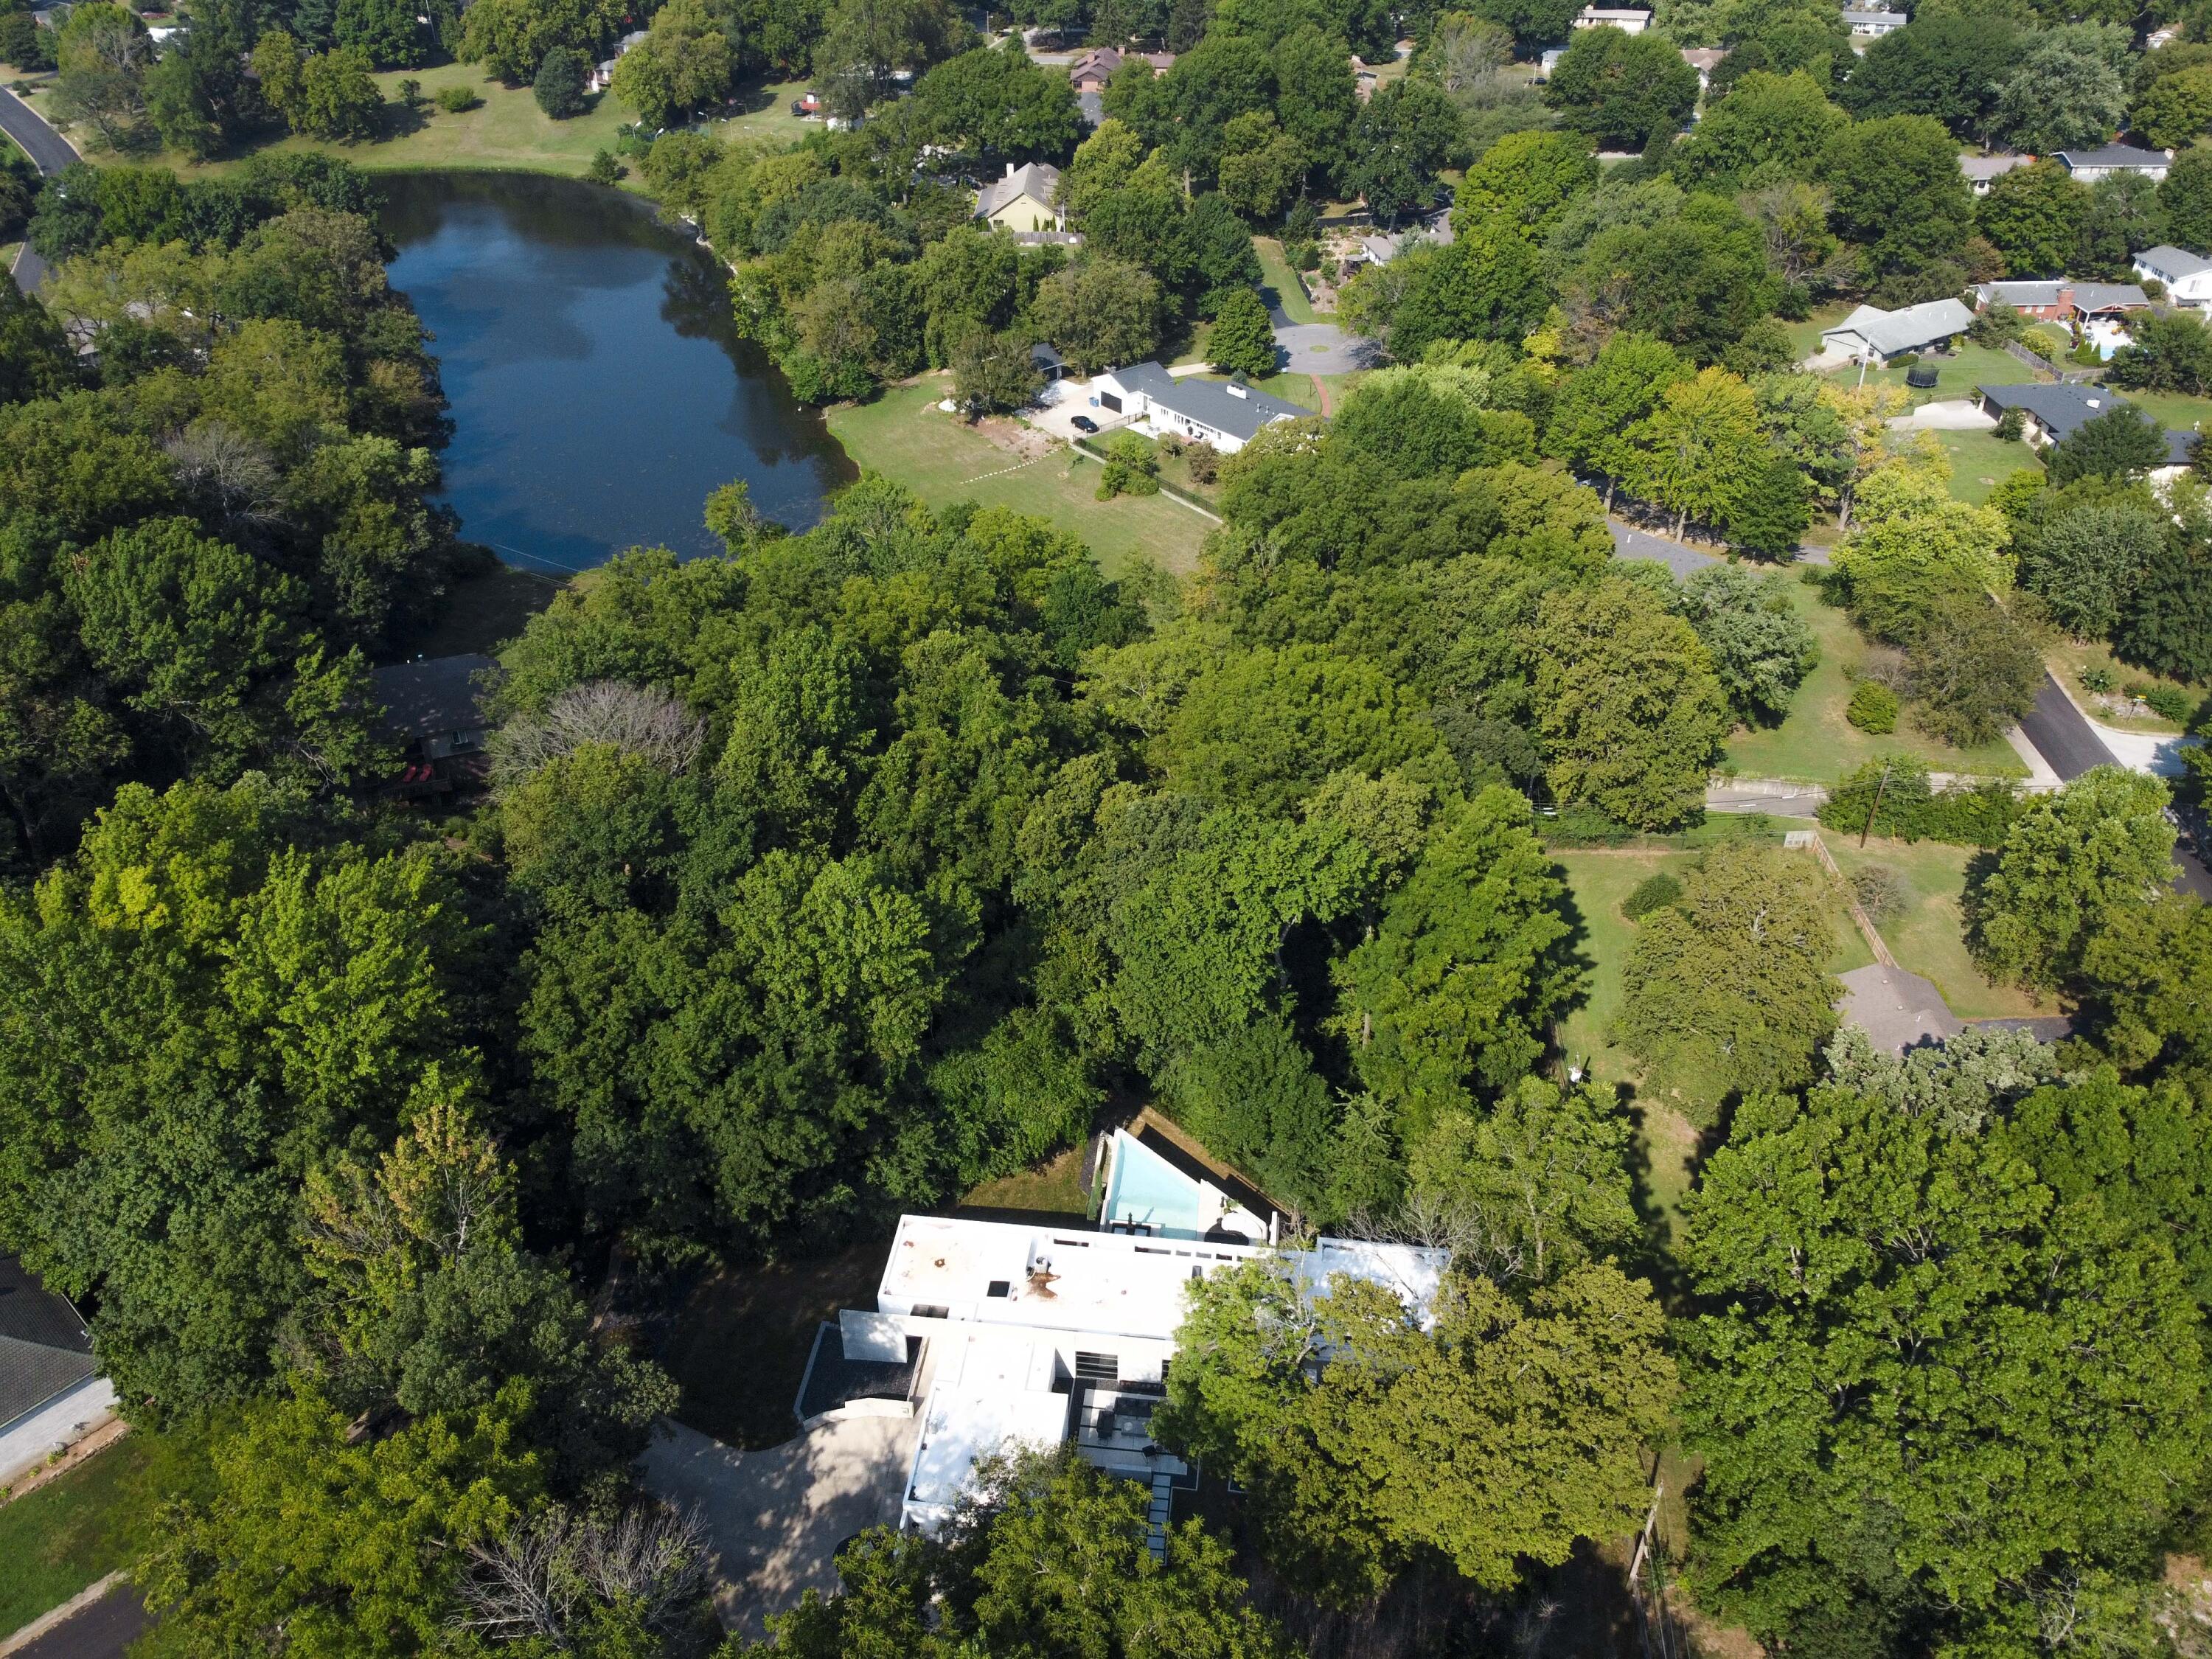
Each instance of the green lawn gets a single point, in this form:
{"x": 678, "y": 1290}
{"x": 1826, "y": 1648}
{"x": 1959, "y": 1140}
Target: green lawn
{"x": 1815, "y": 744}
{"x": 1956, "y": 377}
{"x": 1805, "y": 336}
{"x": 78, "y": 1528}
{"x": 508, "y": 129}
{"x": 1282, "y": 284}
{"x": 2175, "y": 410}
{"x": 1598, "y": 882}
{"x": 904, "y": 436}
{"x": 1053, "y": 1188}
{"x": 1928, "y": 937}
{"x": 1980, "y": 461}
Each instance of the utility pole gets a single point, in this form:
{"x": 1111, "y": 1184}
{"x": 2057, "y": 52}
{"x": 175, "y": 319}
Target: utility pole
{"x": 1875, "y": 810}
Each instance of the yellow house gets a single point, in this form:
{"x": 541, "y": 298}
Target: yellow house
{"x": 1023, "y": 200}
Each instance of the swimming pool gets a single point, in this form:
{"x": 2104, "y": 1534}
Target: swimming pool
{"x": 1150, "y": 1191}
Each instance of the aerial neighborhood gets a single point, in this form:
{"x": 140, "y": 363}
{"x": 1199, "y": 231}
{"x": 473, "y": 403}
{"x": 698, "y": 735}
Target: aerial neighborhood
{"x": 1126, "y": 830}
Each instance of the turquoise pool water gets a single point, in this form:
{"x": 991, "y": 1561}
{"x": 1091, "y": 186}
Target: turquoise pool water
{"x": 1147, "y": 1190}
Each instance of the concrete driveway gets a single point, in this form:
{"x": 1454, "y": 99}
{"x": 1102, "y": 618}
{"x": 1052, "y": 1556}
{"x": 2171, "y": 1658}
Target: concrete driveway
{"x": 776, "y": 1516}
{"x": 1057, "y": 418}
{"x": 1949, "y": 414}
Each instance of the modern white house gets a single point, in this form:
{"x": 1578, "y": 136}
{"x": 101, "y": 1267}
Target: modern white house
{"x": 1876, "y": 337}
{"x": 1225, "y": 414}
{"x": 2187, "y": 276}
{"x": 1627, "y": 19}
{"x": 2088, "y": 165}
{"x": 1003, "y": 1334}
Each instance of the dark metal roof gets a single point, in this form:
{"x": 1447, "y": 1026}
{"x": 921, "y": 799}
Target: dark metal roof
{"x": 44, "y": 1349}
{"x": 434, "y": 696}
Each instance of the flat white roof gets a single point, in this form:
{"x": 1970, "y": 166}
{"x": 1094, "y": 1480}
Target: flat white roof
{"x": 990, "y": 1391}
{"x": 1107, "y": 1284}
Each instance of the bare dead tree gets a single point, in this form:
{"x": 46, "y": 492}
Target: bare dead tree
{"x": 634, "y": 719}
{"x": 536, "y": 1580}
{"x": 233, "y": 475}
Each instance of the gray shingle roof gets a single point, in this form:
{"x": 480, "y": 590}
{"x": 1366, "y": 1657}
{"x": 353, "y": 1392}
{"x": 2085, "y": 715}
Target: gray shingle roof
{"x": 1209, "y": 402}
{"x": 2113, "y": 155}
{"x": 438, "y": 695}
{"x": 2088, "y": 296}
{"x": 1039, "y": 179}
{"x": 2175, "y": 261}
{"x": 44, "y": 1349}
{"x": 2061, "y": 410}
{"x": 1893, "y": 331}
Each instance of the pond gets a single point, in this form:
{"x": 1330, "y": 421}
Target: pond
{"x": 599, "y": 389}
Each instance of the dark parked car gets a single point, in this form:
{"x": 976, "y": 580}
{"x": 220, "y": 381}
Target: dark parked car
{"x": 1083, "y": 424}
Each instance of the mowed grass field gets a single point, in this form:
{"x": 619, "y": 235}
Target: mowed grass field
{"x": 904, "y": 436}
{"x": 1980, "y": 461}
{"x": 1280, "y": 284}
{"x": 1598, "y": 881}
{"x": 506, "y": 131}
{"x": 79, "y": 1526}
{"x": 1928, "y": 935}
{"x": 1814, "y": 744}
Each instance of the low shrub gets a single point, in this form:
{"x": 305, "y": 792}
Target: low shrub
{"x": 1654, "y": 892}
{"x": 1894, "y": 798}
{"x": 2170, "y": 703}
{"x": 456, "y": 100}
{"x": 1872, "y": 708}
{"x": 2096, "y": 679}
{"x": 1204, "y": 461}
{"x": 2011, "y": 426}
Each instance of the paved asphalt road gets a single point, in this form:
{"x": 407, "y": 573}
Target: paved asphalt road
{"x": 52, "y": 153}
{"x": 103, "y": 1630}
{"x": 1629, "y": 544}
{"x": 2063, "y": 736}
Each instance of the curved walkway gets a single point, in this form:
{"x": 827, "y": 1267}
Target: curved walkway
{"x": 776, "y": 1516}
{"x": 50, "y": 152}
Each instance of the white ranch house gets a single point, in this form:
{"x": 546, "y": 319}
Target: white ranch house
{"x": 1225, "y": 414}
{"x": 1876, "y": 337}
{"x": 2187, "y": 276}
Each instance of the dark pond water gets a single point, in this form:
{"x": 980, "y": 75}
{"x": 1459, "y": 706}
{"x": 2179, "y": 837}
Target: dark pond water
{"x": 599, "y": 392}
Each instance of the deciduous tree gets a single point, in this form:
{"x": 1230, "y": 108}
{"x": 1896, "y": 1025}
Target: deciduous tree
{"x": 1457, "y": 988}
{"x": 1941, "y": 1386}
{"x": 1508, "y": 1431}
{"x": 1629, "y": 708}
{"x": 1727, "y": 990}
{"x": 2072, "y": 862}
